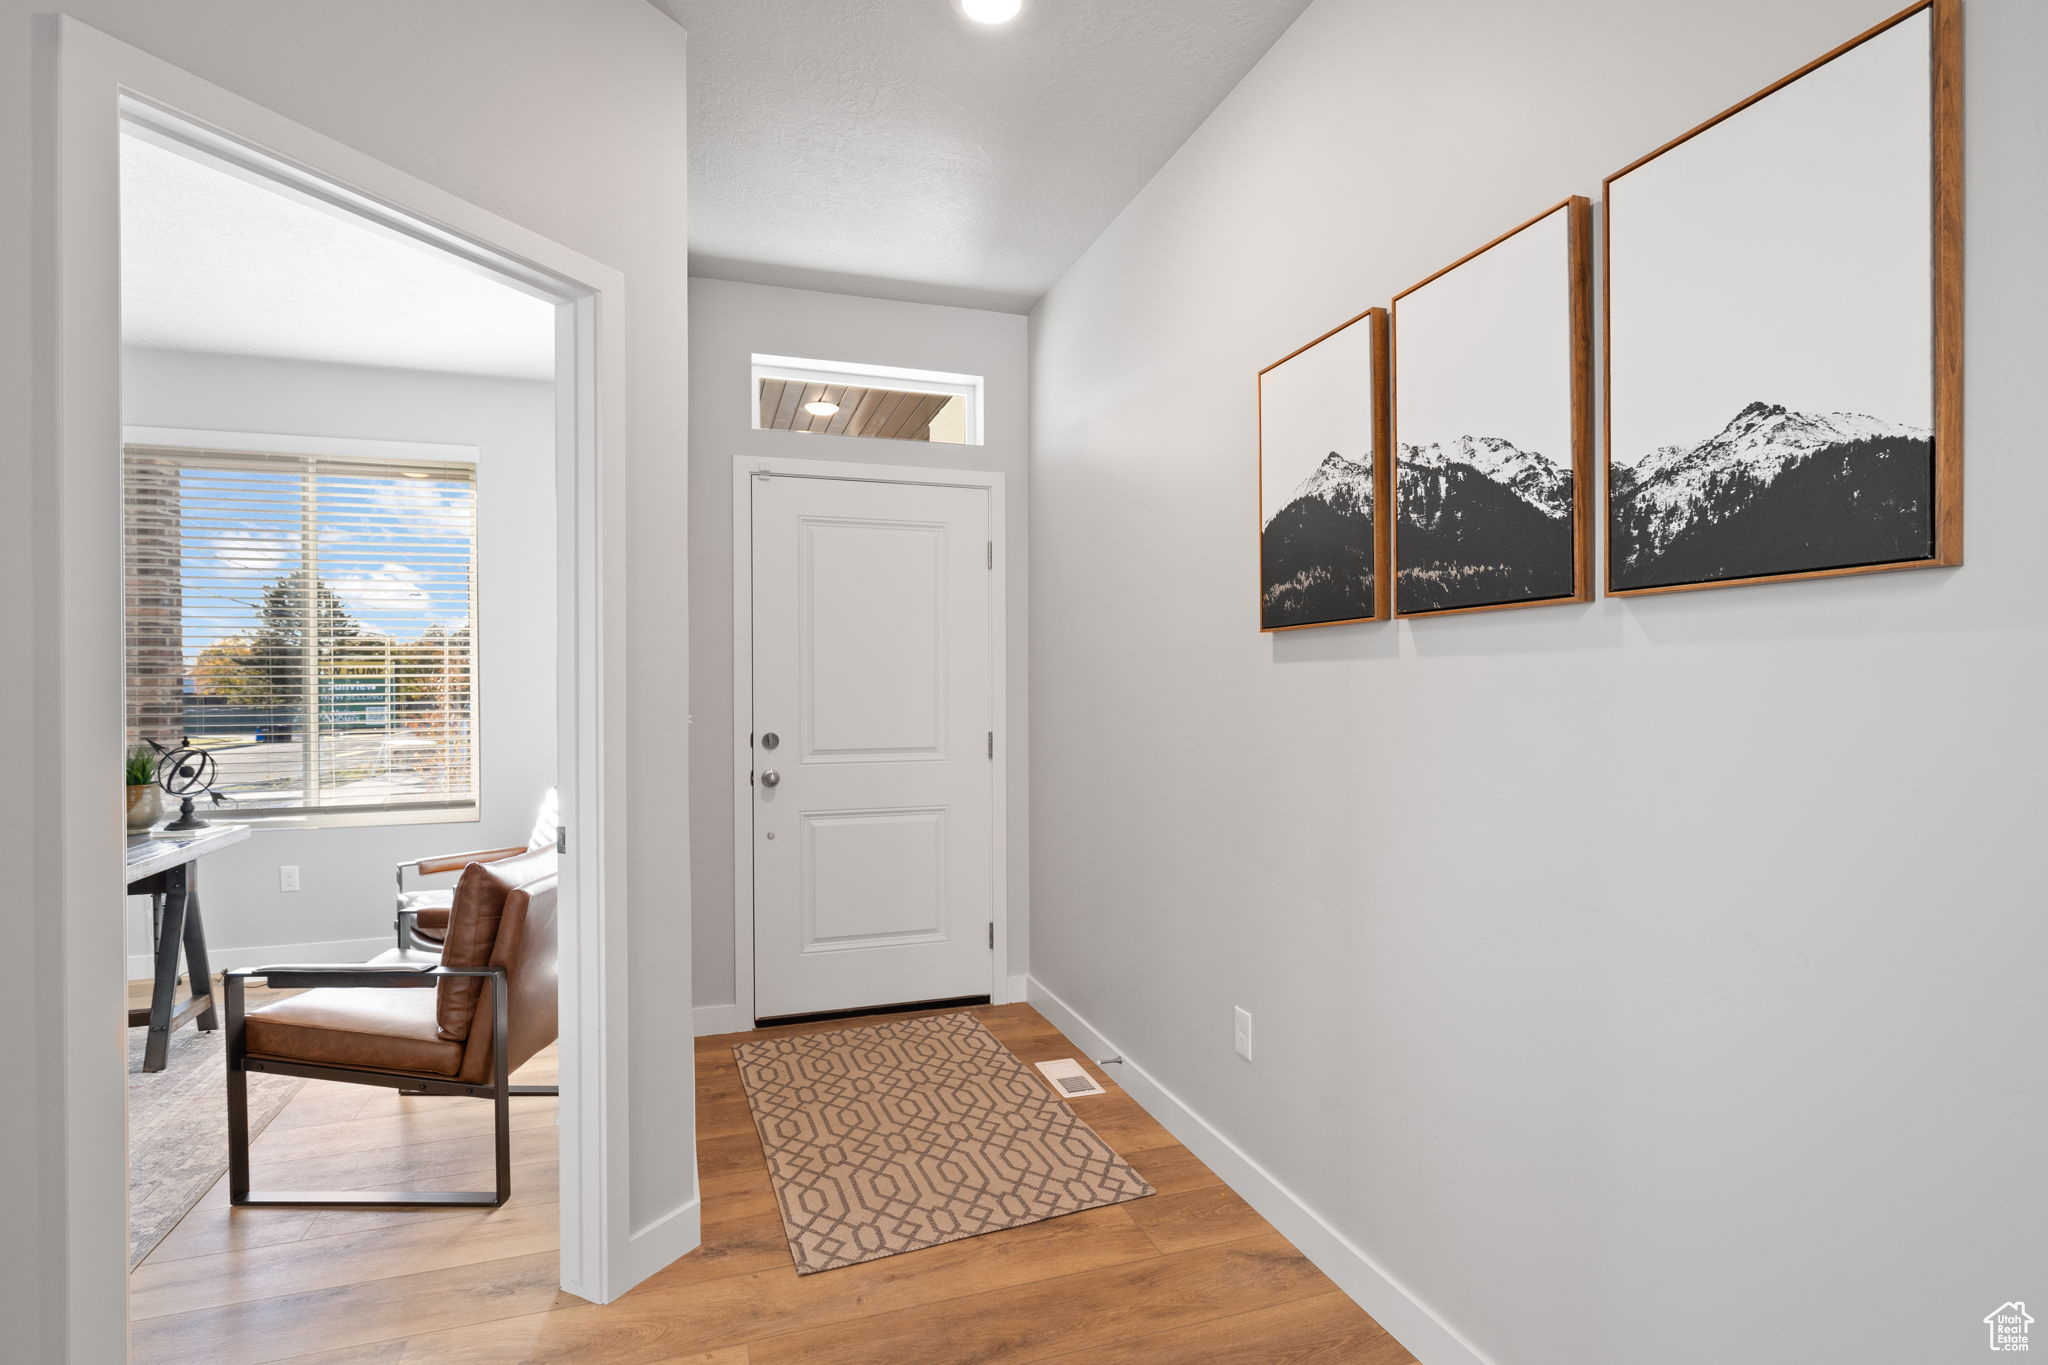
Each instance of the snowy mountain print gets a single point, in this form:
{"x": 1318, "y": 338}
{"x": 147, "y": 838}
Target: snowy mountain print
{"x": 1345, "y": 485}
{"x": 1482, "y": 522}
{"x": 1316, "y": 553}
{"x": 1774, "y": 491}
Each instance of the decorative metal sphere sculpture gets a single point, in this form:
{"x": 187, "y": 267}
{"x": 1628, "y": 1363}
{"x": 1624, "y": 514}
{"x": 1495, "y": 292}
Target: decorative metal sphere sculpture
{"x": 187, "y": 773}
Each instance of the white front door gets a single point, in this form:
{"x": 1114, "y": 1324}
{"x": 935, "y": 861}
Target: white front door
{"x": 873, "y": 790}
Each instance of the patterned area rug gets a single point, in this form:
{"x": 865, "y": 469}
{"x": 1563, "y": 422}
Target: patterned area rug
{"x": 178, "y": 1129}
{"x": 900, "y": 1136}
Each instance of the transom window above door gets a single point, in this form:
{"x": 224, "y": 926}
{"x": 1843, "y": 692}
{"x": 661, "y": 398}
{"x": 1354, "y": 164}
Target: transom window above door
{"x": 836, "y": 398}
{"x": 308, "y": 620}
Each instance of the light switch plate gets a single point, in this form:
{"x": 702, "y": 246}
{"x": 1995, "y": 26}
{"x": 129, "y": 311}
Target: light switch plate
{"x": 1243, "y": 1040}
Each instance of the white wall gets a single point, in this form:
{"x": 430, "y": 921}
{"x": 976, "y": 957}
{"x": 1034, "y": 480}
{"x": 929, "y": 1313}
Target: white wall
{"x": 570, "y": 120}
{"x": 1650, "y": 980}
{"x": 344, "y": 901}
{"x": 729, "y": 324}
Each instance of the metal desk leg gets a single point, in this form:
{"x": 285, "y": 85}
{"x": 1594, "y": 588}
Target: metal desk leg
{"x": 156, "y": 1049}
{"x": 198, "y": 973}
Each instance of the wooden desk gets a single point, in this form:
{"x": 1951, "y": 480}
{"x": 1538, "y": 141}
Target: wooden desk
{"x": 164, "y": 867}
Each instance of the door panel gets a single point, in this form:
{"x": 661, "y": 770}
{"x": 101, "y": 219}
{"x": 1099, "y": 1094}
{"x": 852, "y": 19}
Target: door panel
{"x": 874, "y": 847}
{"x": 873, "y": 877}
{"x": 873, "y": 654}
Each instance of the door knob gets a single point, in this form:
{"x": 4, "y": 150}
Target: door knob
{"x": 770, "y": 778}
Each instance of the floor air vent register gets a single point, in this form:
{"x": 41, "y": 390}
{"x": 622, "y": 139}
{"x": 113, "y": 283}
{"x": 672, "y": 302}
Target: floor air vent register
{"x": 1067, "y": 1077}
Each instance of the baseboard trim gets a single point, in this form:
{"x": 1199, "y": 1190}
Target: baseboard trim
{"x": 663, "y": 1242}
{"x": 1428, "y": 1338}
{"x": 1016, "y": 989}
{"x": 710, "y": 1019}
{"x": 141, "y": 967}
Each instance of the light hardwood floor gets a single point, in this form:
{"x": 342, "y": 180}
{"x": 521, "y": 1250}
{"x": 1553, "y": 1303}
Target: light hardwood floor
{"x": 1187, "y": 1276}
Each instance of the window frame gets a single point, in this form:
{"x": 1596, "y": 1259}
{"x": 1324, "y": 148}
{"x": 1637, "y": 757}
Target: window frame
{"x": 383, "y": 452}
{"x": 852, "y": 375}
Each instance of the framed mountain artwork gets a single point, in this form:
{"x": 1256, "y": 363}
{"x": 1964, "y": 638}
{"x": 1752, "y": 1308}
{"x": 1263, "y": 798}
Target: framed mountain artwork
{"x": 1323, "y": 481}
{"x": 1493, "y": 424}
{"x": 1784, "y": 327}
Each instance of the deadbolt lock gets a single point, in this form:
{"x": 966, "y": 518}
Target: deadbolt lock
{"x": 770, "y": 740}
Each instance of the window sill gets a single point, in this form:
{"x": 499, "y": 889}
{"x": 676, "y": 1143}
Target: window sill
{"x": 258, "y": 822}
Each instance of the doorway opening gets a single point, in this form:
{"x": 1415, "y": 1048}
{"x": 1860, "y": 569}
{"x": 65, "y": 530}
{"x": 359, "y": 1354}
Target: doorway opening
{"x": 338, "y": 526}
{"x": 338, "y": 537}
{"x": 82, "y": 677}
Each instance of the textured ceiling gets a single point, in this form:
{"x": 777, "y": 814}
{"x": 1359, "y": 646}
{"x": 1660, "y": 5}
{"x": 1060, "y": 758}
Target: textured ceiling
{"x": 212, "y": 262}
{"x": 892, "y": 147}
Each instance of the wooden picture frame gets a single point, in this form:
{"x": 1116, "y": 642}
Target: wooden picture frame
{"x": 1299, "y": 587}
{"x": 1564, "y": 570}
{"x": 1640, "y": 523}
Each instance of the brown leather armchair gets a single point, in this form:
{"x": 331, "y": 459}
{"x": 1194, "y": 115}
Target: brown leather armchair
{"x": 423, "y": 913}
{"x": 457, "y": 1024}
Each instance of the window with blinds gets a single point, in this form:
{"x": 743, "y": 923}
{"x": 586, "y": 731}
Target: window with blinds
{"x": 308, "y": 620}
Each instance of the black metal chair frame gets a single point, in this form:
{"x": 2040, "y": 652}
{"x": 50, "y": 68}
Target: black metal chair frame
{"x": 371, "y": 976}
{"x": 407, "y": 923}
{"x": 408, "y": 932}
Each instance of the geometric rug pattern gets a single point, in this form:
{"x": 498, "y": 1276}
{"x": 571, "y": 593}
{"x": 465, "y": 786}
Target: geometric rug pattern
{"x": 904, "y": 1135}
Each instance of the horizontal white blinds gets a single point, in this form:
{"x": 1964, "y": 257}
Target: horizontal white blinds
{"x": 309, "y": 620}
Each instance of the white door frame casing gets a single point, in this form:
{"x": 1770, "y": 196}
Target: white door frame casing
{"x": 745, "y": 468}
{"x": 100, "y": 87}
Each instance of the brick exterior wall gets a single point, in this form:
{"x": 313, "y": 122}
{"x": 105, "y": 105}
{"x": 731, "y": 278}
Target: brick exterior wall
{"x": 155, "y": 617}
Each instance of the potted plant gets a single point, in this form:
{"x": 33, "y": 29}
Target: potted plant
{"x": 145, "y": 798}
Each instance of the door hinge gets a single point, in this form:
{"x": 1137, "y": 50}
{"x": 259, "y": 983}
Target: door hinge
{"x": 991, "y": 554}
{"x": 561, "y": 839}
{"x": 991, "y": 935}
{"x": 991, "y": 744}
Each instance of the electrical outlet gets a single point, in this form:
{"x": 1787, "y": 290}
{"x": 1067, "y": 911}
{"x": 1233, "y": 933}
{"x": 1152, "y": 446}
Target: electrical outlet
{"x": 1244, "y": 1033}
{"x": 288, "y": 878}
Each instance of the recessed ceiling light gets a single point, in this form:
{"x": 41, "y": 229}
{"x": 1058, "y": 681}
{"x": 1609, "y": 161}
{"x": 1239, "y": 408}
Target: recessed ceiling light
{"x": 991, "y": 11}
{"x": 821, "y": 409}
